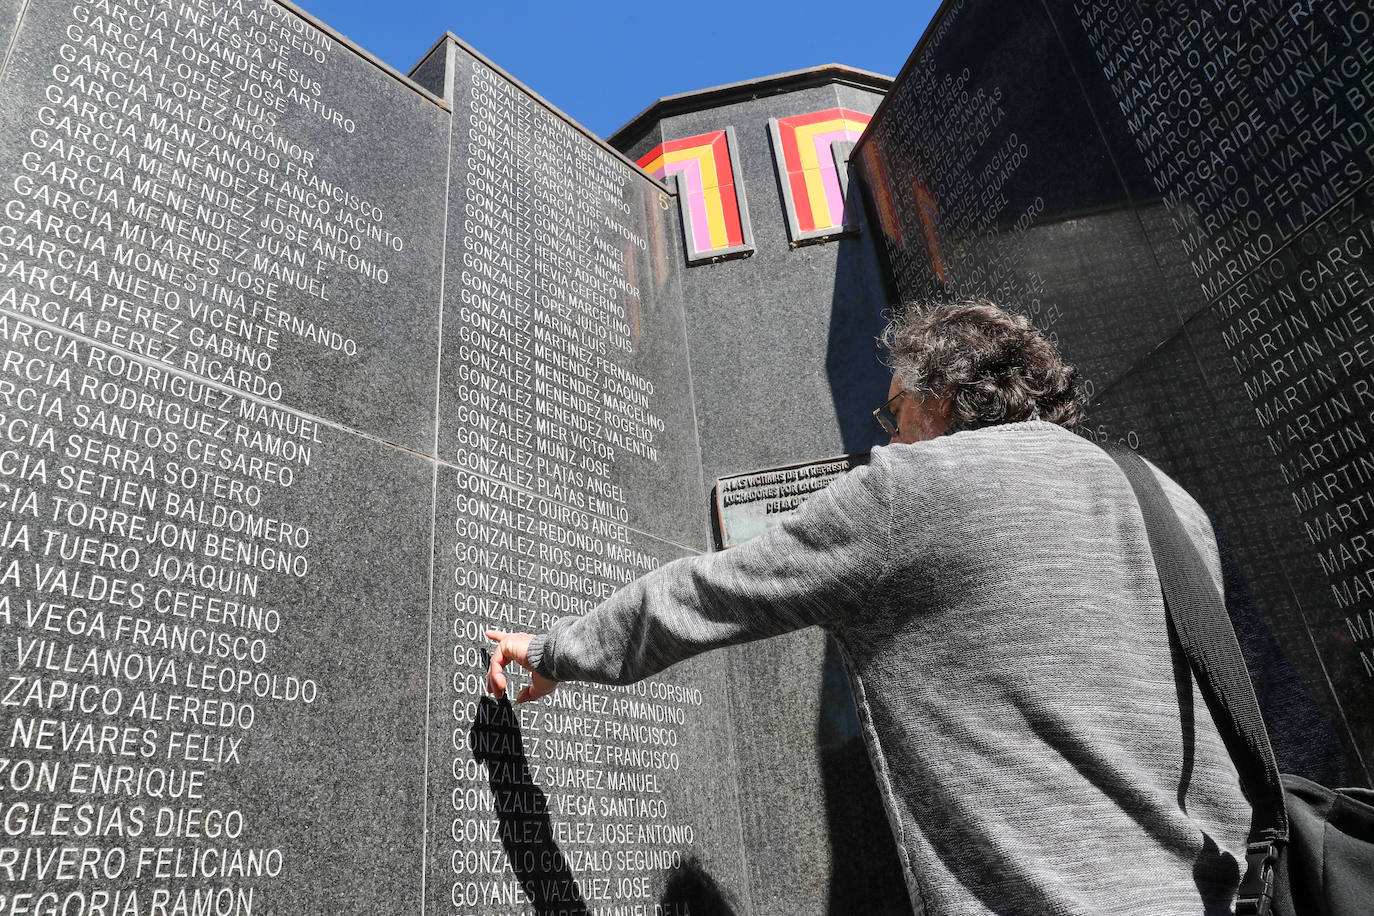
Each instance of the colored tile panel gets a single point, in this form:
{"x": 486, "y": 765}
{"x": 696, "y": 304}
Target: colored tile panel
{"x": 710, "y": 203}
{"x": 802, "y": 148}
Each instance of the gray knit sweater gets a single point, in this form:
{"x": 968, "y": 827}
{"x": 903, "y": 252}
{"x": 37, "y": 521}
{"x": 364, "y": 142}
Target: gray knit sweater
{"x": 996, "y": 602}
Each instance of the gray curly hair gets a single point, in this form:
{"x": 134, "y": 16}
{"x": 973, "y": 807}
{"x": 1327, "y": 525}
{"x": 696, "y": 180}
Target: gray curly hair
{"x": 996, "y": 367}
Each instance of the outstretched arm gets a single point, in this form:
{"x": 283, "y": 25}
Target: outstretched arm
{"x": 819, "y": 566}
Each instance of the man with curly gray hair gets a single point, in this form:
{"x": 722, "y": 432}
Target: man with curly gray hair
{"x": 1039, "y": 745}
{"x": 978, "y": 365}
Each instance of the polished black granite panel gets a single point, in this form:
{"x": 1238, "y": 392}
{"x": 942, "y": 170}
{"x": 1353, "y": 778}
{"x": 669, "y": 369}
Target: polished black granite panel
{"x": 258, "y": 210}
{"x": 209, "y": 652}
{"x": 1205, "y": 179}
{"x": 998, "y": 183}
{"x": 1298, "y": 333}
{"x": 1178, "y": 388}
{"x": 1250, "y": 126}
{"x": 1256, "y": 137}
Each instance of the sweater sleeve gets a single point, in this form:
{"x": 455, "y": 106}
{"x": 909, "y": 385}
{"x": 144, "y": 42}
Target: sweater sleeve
{"x": 816, "y": 567}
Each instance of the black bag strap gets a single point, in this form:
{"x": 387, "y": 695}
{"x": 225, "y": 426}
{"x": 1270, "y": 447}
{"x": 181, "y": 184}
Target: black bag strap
{"x": 1198, "y": 616}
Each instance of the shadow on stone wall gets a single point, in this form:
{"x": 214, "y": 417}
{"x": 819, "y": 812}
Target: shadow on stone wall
{"x": 857, "y": 377}
{"x": 523, "y": 811}
{"x": 865, "y": 873}
{"x": 690, "y": 890}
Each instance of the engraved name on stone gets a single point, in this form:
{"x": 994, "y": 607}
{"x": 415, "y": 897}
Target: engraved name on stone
{"x": 163, "y": 205}
{"x": 547, "y": 411}
{"x": 141, "y": 552}
{"x": 1233, "y": 112}
{"x": 954, "y": 186}
{"x": 166, "y": 232}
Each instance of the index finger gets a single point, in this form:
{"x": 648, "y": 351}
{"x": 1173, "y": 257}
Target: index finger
{"x": 496, "y": 675}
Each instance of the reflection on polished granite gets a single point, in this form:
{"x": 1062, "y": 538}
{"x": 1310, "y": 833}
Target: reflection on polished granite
{"x": 1184, "y": 202}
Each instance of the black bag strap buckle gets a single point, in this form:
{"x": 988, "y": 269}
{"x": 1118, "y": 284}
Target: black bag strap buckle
{"x": 1257, "y": 888}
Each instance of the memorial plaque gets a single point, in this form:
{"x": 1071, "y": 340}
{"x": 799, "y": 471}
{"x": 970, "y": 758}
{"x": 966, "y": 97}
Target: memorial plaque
{"x": 233, "y": 193}
{"x": 597, "y": 795}
{"x": 747, "y": 505}
{"x": 1226, "y": 241}
{"x": 569, "y": 469}
{"x": 205, "y": 672}
{"x": 564, "y": 362}
{"x": 306, "y": 380}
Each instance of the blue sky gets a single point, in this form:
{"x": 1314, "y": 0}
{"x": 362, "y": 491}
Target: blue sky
{"x": 603, "y": 62}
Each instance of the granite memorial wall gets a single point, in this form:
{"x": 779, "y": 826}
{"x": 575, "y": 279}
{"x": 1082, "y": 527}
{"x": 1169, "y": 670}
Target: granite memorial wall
{"x": 308, "y": 374}
{"x": 311, "y": 371}
{"x": 1181, "y": 195}
{"x": 568, "y": 467}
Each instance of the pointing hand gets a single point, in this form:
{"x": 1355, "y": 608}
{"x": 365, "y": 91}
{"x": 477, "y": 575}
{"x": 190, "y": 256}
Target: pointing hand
{"x": 514, "y": 647}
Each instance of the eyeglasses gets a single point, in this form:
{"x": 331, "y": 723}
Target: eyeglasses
{"x": 887, "y": 414}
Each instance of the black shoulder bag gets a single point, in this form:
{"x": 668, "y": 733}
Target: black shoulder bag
{"x": 1311, "y": 849}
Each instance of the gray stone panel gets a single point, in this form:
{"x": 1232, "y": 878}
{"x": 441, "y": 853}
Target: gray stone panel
{"x": 10, "y": 11}
{"x": 432, "y": 70}
{"x": 216, "y": 652}
{"x": 263, "y": 216}
{"x": 599, "y": 795}
{"x": 857, "y": 98}
{"x": 570, "y": 466}
{"x": 565, "y": 370}
{"x": 784, "y": 364}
